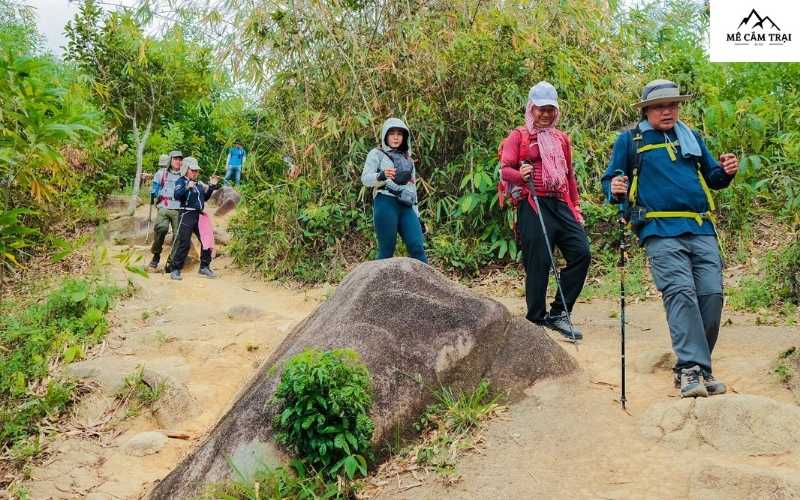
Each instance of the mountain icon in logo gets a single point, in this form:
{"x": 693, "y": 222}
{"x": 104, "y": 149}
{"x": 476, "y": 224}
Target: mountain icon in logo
{"x": 760, "y": 23}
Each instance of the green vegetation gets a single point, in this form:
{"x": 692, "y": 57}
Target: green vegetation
{"x": 139, "y": 393}
{"x": 306, "y": 91}
{"x": 784, "y": 367}
{"x": 280, "y": 483}
{"x": 324, "y": 400}
{"x": 458, "y": 72}
{"x": 449, "y": 425}
{"x": 775, "y": 282}
{"x": 72, "y": 132}
{"x": 35, "y": 338}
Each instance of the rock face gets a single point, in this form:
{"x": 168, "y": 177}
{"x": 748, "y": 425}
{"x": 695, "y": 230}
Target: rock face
{"x": 730, "y": 423}
{"x": 118, "y": 203}
{"x": 743, "y": 482}
{"x": 226, "y": 199}
{"x": 131, "y": 230}
{"x": 244, "y": 313}
{"x": 414, "y": 329}
{"x": 145, "y": 443}
{"x": 175, "y": 405}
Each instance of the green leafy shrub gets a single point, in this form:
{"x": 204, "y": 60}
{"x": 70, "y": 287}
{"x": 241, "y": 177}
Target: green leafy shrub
{"x": 35, "y": 336}
{"x": 776, "y": 281}
{"x": 783, "y": 368}
{"x": 279, "y": 483}
{"x": 324, "y": 400}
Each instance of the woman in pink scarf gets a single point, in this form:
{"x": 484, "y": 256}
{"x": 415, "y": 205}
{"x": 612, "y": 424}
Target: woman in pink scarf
{"x": 539, "y": 156}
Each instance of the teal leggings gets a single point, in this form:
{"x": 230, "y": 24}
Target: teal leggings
{"x": 392, "y": 217}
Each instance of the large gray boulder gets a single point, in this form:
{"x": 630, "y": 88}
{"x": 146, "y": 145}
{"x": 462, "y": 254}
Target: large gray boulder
{"x": 415, "y": 330}
{"x": 226, "y": 199}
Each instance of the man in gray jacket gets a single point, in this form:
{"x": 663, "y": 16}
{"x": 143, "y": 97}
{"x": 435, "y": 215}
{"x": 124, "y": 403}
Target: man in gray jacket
{"x": 162, "y": 195}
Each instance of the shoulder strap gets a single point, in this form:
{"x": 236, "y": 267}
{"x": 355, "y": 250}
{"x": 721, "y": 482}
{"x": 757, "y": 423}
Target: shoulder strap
{"x": 387, "y": 155}
{"x": 634, "y": 162}
{"x": 524, "y": 142}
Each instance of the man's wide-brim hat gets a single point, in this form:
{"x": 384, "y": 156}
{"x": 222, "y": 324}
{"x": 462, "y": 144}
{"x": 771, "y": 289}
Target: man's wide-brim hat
{"x": 659, "y": 91}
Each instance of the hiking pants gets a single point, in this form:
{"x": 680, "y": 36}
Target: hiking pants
{"x": 188, "y": 227}
{"x": 391, "y": 217}
{"x": 233, "y": 173}
{"x": 565, "y": 233}
{"x": 164, "y": 219}
{"x": 687, "y": 271}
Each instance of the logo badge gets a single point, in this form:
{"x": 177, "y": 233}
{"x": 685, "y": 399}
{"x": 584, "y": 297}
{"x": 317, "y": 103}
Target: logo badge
{"x": 741, "y": 32}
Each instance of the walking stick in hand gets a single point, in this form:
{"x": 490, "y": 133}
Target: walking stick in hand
{"x": 552, "y": 260}
{"x": 149, "y": 221}
{"x": 623, "y": 246}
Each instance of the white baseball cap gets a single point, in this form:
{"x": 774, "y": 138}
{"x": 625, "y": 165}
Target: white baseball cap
{"x": 543, "y": 94}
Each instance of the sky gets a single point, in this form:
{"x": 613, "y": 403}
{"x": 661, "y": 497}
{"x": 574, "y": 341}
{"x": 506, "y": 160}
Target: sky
{"x": 53, "y": 15}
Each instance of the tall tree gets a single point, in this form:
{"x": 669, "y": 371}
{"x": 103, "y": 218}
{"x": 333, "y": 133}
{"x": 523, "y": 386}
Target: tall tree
{"x": 138, "y": 79}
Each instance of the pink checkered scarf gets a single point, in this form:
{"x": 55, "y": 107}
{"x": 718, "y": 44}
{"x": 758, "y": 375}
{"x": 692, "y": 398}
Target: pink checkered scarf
{"x": 554, "y": 164}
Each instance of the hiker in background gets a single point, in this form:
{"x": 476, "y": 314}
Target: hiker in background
{"x": 662, "y": 171}
{"x": 162, "y": 195}
{"x": 192, "y": 196}
{"x": 235, "y": 163}
{"x": 390, "y": 171}
{"x": 539, "y": 156}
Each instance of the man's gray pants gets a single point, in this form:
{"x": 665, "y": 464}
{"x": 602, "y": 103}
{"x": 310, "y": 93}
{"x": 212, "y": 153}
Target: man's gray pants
{"x": 687, "y": 271}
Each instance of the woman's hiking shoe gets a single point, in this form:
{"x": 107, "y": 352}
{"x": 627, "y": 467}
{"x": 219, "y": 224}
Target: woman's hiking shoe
{"x": 560, "y": 323}
{"x": 713, "y": 386}
{"x": 692, "y": 383}
{"x": 207, "y": 272}
{"x": 176, "y": 275}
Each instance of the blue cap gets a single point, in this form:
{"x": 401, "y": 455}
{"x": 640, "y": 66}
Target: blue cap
{"x": 543, "y": 94}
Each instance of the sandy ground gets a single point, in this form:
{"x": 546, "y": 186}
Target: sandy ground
{"x": 568, "y": 439}
{"x": 571, "y": 439}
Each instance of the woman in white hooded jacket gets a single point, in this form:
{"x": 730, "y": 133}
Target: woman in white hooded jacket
{"x": 390, "y": 171}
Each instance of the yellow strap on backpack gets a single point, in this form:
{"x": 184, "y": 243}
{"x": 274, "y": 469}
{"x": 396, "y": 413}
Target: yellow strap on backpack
{"x": 669, "y": 146}
{"x": 662, "y": 214}
{"x": 671, "y": 151}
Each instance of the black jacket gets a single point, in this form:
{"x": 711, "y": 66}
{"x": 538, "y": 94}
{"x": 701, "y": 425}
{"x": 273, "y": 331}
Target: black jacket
{"x": 194, "y": 198}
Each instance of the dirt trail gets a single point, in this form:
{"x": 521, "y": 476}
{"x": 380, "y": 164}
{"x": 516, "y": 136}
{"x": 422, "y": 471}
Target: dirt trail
{"x": 181, "y": 329}
{"x": 569, "y": 439}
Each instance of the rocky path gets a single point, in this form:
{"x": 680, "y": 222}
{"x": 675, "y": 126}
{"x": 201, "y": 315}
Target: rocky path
{"x": 571, "y": 439}
{"x": 568, "y": 439}
{"x": 202, "y": 340}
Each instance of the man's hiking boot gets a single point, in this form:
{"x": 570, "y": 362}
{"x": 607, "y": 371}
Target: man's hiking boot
{"x": 207, "y": 272}
{"x": 153, "y": 265}
{"x": 713, "y": 386}
{"x": 560, "y": 323}
{"x": 692, "y": 383}
{"x": 176, "y": 275}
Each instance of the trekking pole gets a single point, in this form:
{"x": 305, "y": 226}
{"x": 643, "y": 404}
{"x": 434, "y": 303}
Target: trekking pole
{"x": 149, "y": 222}
{"x": 621, "y": 264}
{"x": 552, "y": 261}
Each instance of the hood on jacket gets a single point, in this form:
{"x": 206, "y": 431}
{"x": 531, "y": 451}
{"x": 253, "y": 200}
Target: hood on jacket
{"x": 396, "y": 123}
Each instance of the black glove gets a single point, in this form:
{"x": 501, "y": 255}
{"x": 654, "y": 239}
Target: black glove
{"x": 382, "y": 176}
